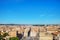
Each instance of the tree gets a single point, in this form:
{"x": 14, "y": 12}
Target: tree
{"x": 1, "y": 37}
{"x": 14, "y": 38}
{"x": 5, "y": 34}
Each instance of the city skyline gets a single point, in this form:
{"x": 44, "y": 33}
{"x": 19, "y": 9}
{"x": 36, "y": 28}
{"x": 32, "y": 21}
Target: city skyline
{"x": 29, "y": 12}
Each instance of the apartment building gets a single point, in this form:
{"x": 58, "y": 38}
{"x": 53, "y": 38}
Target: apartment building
{"x": 45, "y": 36}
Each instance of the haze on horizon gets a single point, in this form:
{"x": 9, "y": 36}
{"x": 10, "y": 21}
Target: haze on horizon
{"x": 30, "y": 11}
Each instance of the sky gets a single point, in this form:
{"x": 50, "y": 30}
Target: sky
{"x": 29, "y": 11}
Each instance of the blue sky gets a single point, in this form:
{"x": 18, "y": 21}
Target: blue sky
{"x": 30, "y": 11}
